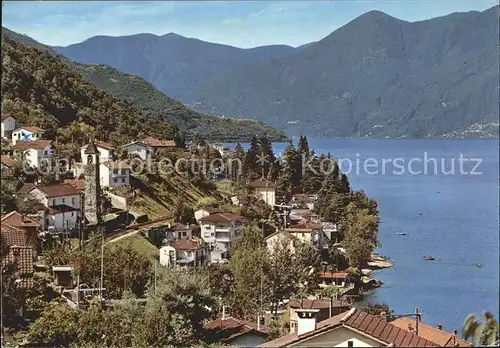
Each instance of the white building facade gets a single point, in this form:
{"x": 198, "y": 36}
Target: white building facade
{"x": 138, "y": 149}
{"x": 26, "y": 134}
{"x": 8, "y": 125}
{"x": 219, "y": 231}
{"x": 106, "y": 152}
{"x": 36, "y": 153}
{"x": 114, "y": 174}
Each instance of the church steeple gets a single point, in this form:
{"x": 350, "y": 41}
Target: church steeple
{"x": 92, "y": 208}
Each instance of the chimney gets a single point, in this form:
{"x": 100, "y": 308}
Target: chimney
{"x": 440, "y": 327}
{"x": 23, "y": 218}
{"x": 306, "y": 320}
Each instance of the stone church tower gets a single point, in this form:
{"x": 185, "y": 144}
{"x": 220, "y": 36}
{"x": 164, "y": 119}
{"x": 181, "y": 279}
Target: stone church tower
{"x": 92, "y": 205}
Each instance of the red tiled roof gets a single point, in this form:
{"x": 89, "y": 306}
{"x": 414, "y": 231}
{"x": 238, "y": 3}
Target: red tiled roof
{"x": 7, "y": 161}
{"x": 22, "y": 258}
{"x": 184, "y": 244}
{"x": 372, "y": 326}
{"x": 116, "y": 165}
{"x": 443, "y": 338}
{"x": 13, "y": 236}
{"x": 231, "y": 328}
{"x": 31, "y": 129}
{"x": 261, "y": 183}
{"x": 179, "y": 226}
{"x": 153, "y": 142}
{"x": 317, "y": 304}
{"x": 102, "y": 144}
{"x": 380, "y": 329}
{"x": 58, "y": 190}
{"x": 26, "y": 188}
{"x": 76, "y": 183}
{"x": 336, "y": 275}
{"x": 222, "y": 217}
{"x": 32, "y": 144}
{"x": 14, "y": 219}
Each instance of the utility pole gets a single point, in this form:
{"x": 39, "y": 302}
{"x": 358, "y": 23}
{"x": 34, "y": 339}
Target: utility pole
{"x": 102, "y": 264}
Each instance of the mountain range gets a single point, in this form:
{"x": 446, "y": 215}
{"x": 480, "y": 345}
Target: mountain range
{"x": 376, "y": 76}
{"x": 150, "y": 102}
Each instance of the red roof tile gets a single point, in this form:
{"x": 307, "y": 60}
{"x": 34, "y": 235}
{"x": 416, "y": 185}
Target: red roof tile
{"x": 22, "y": 258}
{"x": 15, "y": 219}
{"x": 153, "y": 142}
{"x": 7, "y": 161}
{"x": 58, "y": 190}
{"x": 222, "y": 217}
{"x": 443, "y": 338}
{"x": 261, "y": 183}
{"x": 32, "y": 144}
{"x": 335, "y": 275}
{"x": 76, "y": 183}
{"x": 26, "y": 188}
{"x": 231, "y": 328}
{"x": 13, "y": 236}
{"x": 184, "y": 244}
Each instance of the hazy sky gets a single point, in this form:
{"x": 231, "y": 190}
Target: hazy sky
{"x": 237, "y": 23}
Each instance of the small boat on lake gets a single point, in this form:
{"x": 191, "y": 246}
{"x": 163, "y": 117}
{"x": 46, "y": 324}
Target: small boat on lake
{"x": 401, "y": 233}
{"x": 429, "y": 258}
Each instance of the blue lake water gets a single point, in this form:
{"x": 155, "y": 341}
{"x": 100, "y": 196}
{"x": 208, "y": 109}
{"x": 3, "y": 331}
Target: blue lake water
{"x": 448, "y": 216}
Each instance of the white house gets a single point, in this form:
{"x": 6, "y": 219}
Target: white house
{"x": 114, "y": 174}
{"x": 64, "y": 203}
{"x": 266, "y": 190}
{"x": 354, "y": 328}
{"x": 26, "y": 134}
{"x": 182, "y": 252}
{"x": 179, "y": 231}
{"x": 219, "y": 231}
{"x": 308, "y": 233}
{"x": 8, "y": 125}
{"x": 36, "y": 152}
{"x": 106, "y": 152}
{"x": 205, "y": 211}
{"x": 138, "y": 149}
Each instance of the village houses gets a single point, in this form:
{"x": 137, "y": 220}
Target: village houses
{"x": 26, "y": 134}
{"x": 308, "y": 233}
{"x": 37, "y": 153}
{"x": 146, "y": 148}
{"x": 219, "y": 231}
{"x": 266, "y": 190}
{"x": 8, "y": 125}
{"x": 182, "y": 252}
{"x": 63, "y": 205}
{"x": 114, "y": 174}
{"x": 205, "y": 211}
{"x": 106, "y": 152}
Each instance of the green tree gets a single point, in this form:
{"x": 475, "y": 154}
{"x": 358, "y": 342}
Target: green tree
{"x": 360, "y": 238}
{"x": 282, "y": 281}
{"x": 267, "y": 155}
{"x": 303, "y": 146}
{"x": 483, "y": 333}
{"x": 175, "y": 310}
{"x": 248, "y": 264}
{"x": 251, "y": 167}
{"x": 57, "y": 326}
{"x": 379, "y": 309}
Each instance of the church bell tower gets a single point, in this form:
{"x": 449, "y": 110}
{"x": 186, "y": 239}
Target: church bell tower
{"x": 92, "y": 207}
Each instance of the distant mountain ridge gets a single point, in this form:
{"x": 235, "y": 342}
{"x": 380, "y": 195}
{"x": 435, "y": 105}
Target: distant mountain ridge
{"x": 172, "y": 63}
{"x": 376, "y": 76}
{"x": 154, "y": 103}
